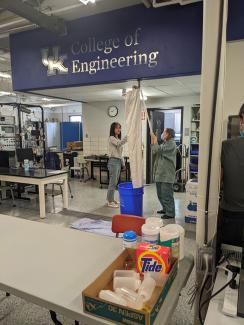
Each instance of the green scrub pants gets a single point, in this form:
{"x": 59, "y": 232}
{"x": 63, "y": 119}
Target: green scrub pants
{"x": 165, "y": 194}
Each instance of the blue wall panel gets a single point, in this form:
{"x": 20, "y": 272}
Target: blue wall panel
{"x": 70, "y": 131}
{"x": 173, "y": 34}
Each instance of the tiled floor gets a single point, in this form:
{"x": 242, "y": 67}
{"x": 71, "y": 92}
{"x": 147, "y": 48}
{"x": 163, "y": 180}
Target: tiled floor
{"x": 89, "y": 198}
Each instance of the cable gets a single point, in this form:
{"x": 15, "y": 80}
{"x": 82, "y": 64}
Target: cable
{"x": 211, "y": 297}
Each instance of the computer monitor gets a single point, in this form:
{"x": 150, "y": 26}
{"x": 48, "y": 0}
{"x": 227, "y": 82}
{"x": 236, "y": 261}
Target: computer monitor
{"x": 4, "y": 159}
{"x": 26, "y": 153}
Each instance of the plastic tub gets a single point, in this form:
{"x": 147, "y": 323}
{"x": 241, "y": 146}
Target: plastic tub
{"x": 131, "y": 199}
{"x": 150, "y": 233}
{"x": 155, "y": 221}
{"x": 170, "y": 237}
{"x": 181, "y": 231}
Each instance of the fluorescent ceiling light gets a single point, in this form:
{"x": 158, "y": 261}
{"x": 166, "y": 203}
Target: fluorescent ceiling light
{"x": 46, "y": 99}
{"x": 85, "y": 2}
{"x": 5, "y": 75}
{"x": 52, "y": 105}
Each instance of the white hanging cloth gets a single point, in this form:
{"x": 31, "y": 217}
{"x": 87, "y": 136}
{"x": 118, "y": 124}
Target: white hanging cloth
{"x": 133, "y": 109}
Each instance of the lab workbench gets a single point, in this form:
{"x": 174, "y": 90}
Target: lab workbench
{"x": 39, "y": 177}
{"x": 53, "y": 273}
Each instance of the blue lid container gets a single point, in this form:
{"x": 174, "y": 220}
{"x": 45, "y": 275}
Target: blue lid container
{"x": 129, "y": 236}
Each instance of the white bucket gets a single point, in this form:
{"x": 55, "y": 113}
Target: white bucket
{"x": 171, "y": 238}
{"x": 158, "y": 222}
{"x": 181, "y": 231}
{"x": 150, "y": 233}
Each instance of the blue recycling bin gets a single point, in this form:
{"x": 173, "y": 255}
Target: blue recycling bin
{"x": 131, "y": 199}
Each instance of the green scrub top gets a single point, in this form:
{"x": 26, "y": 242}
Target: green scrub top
{"x": 165, "y": 161}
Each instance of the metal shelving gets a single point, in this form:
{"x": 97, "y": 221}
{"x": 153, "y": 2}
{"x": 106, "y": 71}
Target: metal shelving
{"x": 194, "y": 141}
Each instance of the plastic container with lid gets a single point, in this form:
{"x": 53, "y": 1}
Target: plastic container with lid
{"x": 170, "y": 238}
{"x": 125, "y": 282}
{"x": 127, "y": 274}
{"x": 150, "y": 233}
{"x": 181, "y": 231}
{"x": 113, "y": 297}
{"x": 129, "y": 239}
{"x": 155, "y": 221}
{"x": 147, "y": 287}
{"x": 133, "y": 299}
{"x": 26, "y": 164}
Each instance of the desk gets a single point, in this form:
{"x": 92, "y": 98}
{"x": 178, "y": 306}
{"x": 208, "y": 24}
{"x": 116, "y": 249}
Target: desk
{"x": 94, "y": 163}
{"x": 101, "y": 162}
{"x": 214, "y": 314}
{"x": 50, "y": 266}
{"x": 39, "y": 177}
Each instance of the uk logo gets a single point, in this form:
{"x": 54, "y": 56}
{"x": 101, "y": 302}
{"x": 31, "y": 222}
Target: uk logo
{"x": 54, "y": 61}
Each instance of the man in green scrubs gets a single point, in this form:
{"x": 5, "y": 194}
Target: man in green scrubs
{"x": 164, "y": 170}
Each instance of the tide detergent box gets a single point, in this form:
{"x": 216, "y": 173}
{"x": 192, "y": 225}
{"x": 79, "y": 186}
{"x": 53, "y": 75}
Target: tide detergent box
{"x": 152, "y": 258}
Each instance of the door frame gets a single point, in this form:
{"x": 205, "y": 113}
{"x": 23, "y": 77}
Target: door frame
{"x": 148, "y": 155}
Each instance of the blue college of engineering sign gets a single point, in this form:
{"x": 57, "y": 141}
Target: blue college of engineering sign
{"x": 130, "y": 43}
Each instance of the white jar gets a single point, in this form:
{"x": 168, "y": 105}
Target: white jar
{"x": 155, "y": 221}
{"x": 150, "y": 233}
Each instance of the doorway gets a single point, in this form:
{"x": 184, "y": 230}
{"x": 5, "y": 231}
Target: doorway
{"x": 161, "y": 119}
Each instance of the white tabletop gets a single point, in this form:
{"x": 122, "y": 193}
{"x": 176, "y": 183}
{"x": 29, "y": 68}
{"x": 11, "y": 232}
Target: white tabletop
{"x": 50, "y": 266}
{"x": 214, "y": 314}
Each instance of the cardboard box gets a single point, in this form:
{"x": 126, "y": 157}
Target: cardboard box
{"x": 120, "y": 314}
{"x": 74, "y": 145}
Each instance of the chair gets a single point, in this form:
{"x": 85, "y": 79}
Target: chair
{"x": 8, "y": 188}
{"x": 80, "y": 165}
{"x": 124, "y": 222}
{"x": 53, "y": 162}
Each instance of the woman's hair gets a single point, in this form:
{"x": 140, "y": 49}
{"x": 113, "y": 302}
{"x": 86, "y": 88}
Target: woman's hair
{"x": 171, "y": 132}
{"x": 112, "y": 129}
{"x": 241, "y": 113}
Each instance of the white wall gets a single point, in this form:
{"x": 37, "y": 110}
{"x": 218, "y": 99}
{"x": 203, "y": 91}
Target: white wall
{"x": 61, "y": 114}
{"x": 96, "y": 125}
{"x": 96, "y": 120}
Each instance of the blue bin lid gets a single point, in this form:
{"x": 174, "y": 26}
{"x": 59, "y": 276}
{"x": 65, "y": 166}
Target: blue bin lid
{"x": 129, "y": 235}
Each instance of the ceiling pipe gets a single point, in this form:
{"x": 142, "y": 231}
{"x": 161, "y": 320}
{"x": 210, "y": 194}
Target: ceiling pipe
{"x": 53, "y": 24}
{"x": 49, "y": 12}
